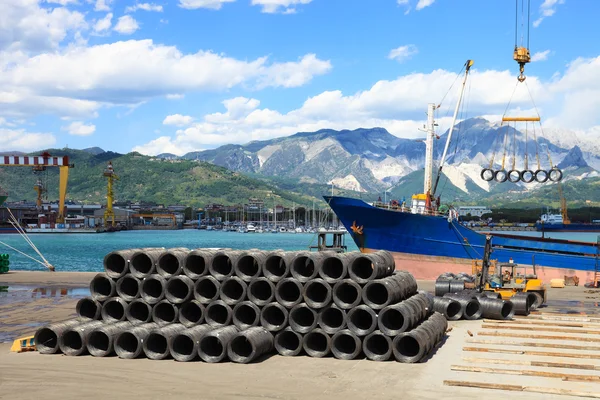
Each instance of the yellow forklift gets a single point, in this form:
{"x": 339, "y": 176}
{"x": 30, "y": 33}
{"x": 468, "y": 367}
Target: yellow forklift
{"x": 507, "y": 279}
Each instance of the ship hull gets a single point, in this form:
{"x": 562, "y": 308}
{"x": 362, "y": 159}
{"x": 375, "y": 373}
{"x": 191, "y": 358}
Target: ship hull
{"x": 568, "y": 227}
{"x": 429, "y": 245}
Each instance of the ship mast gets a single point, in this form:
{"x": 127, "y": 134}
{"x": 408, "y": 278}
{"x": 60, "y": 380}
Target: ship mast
{"x": 429, "y": 148}
{"x": 468, "y": 65}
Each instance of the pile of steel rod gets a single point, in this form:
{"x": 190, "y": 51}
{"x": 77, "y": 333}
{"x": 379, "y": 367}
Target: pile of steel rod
{"x": 215, "y": 305}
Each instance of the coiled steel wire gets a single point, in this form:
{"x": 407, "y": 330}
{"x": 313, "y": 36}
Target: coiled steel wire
{"x": 128, "y": 287}
{"x": 143, "y": 262}
{"x": 449, "y": 308}
{"x": 73, "y": 341}
{"x": 305, "y": 265}
{"x": 364, "y": 267}
{"x": 129, "y": 342}
{"x": 218, "y": 313}
{"x": 380, "y": 293}
{"x": 212, "y": 348}
{"x": 520, "y": 305}
{"x": 184, "y": 345}
{"x": 277, "y": 265}
{"x": 170, "y": 263}
{"x": 274, "y": 317}
{"x": 362, "y": 320}
{"x": 248, "y": 345}
{"x": 116, "y": 263}
{"x": 191, "y": 313}
{"x": 245, "y": 315}
{"x": 317, "y": 293}
{"x": 496, "y": 309}
{"x": 413, "y": 346}
{"x": 100, "y": 341}
{"x": 471, "y": 308}
{"x": 345, "y": 345}
{"x": 403, "y": 316}
{"x": 207, "y": 289}
{"x": 347, "y": 294}
{"x": 179, "y": 289}
{"x": 221, "y": 266}
{"x": 377, "y": 346}
{"x": 233, "y": 290}
{"x": 138, "y": 311}
{"x": 302, "y": 318}
{"x": 88, "y": 308}
{"x": 333, "y": 268}
{"x": 332, "y": 319}
{"x": 316, "y": 343}
{"x": 288, "y": 292}
{"x": 102, "y": 287}
{"x": 156, "y": 345}
{"x": 288, "y": 342}
{"x": 261, "y": 291}
{"x": 152, "y": 289}
{"x": 165, "y": 312}
{"x": 196, "y": 263}
{"x": 113, "y": 309}
{"x": 249, "y": 265}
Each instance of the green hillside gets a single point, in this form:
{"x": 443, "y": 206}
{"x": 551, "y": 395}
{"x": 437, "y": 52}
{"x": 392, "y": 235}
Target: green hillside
{"x": 149, "y": 179}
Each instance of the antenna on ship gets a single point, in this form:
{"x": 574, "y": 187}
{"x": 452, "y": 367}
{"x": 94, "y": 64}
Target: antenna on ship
{"x": 468, "y": 65}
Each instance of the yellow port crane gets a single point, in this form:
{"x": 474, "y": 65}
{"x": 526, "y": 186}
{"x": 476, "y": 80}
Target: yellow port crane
{"x": 109, "y": 173}
{"x": 521, "y": 53}
{"x": 563, "y": 205}
{"x": 40, "y": 163}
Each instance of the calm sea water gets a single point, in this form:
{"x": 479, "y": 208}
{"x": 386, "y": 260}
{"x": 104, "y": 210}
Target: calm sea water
{"x": 85, "y": 252}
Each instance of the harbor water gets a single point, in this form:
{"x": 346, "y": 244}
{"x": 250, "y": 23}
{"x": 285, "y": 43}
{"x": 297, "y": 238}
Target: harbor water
{"x": 85, "y": 252}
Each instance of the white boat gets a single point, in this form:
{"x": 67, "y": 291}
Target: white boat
{"x": 282, "y": 229}
{"x": 250, "y": 228}
{"x": 299, "y": 230}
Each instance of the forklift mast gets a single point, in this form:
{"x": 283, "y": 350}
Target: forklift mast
{"x": 485, "y": 264}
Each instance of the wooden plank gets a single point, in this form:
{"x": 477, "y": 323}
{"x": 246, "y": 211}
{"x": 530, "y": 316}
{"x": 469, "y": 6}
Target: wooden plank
{"x": 519, "y": 388}
{"x": 541, "y": 329}
{"x": 544, "y": 323}
{"x": 536, "y": 344}
{"x": 531, "y": 353}
{"x": 525, "y": 372}
{"x": 557, "y": 318}
{"x": 547, "y": 364}
{"x": 532, "y": 336}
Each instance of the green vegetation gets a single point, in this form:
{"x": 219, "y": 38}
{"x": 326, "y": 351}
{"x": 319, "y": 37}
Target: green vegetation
{"x": 149, "y": 179}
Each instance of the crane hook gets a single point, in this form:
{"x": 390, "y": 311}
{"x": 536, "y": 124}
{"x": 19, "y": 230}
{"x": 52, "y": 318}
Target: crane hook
{"x": 521, "y": 55}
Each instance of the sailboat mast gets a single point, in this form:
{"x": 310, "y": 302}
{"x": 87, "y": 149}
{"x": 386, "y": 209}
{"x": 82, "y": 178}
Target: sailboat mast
{"x": 429, "y": 148}
{"x": 468, "y": 65}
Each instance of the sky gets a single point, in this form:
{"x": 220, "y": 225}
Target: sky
{"x": 184, "y": 75}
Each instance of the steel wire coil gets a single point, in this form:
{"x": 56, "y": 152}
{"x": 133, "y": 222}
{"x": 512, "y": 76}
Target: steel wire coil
{"x": 261, "y": 291}
{"x": 332, "y": 319}
{"x": 446, "y": 276}
{"x": 233, "y": 290}
{"x": 212, "y": 347}
{"x": 128, "y": 287}
{"x": 248, "y": 345}
{"x": 73, "y": 341}
{"x": 88, "y": 308}
{"x": 345, "y": 345}
{"x": 184, "y": 345}
{"x": 288, "y": 342}
{"x": 333, "y": 268}
{"x": 277, "y": 265}
{"x": 274, "y": 317}
{"x": 152, "y": 289}
{"x": 116, "y": 263}
{"x": 317, "y": 293}
{"x": 305, "y": 265}
{"x": 207, "y": 289}
{"x": 471, "y": 307}
{"x": 138, "y": 311}
{"x": 156, "y": 345}
{"x": 143, "y": 262}
{"x": 302, "y": 318}
{"x": 442, "y": 287}
{"x": 413, "y": 346}
{"x": 102, "y": 287}
{"x": 527, "y": 176}
{"x": 196, "y": 263}
{"x": 249, "y": 265}
{"x": 129, "y": 342}
{"x": 555, "y": 174}
{"x": 100, "y": 341}
{"x": 521, "y": 305}
{"x": 46, "y": 338}
{"x": 218, "y": 313}
{"x": 221, "y": 265}
{"x": 179, "y": 289}
{"x": 362, "y": 320}
{"x": 449, "y": 308}
{"x": 496, "y": 309}
{"x": 403, "y": 316}
{"x": 191, "y": 313}
{"x": 164, "y": 312}
{"x": 170, "y": 262}
{"x": 245, "y": 315}
{"x": 316, "y": 343}
{"x": 113, "y": 309}
{"x": 456, "y": 286}
{"x": 377, "y": 346}
{"x": 533, "y": 300}
{"x": 380, "y": 293}
{"x": 347, "y": 294}
{"x": 363, "y": 267}
{"x": 288, "y": 292}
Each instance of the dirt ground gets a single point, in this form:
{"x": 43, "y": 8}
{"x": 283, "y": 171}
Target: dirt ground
{"x": 35, "y": 376}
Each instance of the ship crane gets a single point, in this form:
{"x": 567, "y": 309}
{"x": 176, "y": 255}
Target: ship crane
{"x": 40, "y": 163}
{"x": 109, "y": 213}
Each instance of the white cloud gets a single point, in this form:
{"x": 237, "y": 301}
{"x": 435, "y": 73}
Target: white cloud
{"x": 25, "y": 26}
{"x": 424, "y": 3}
{"x": 568, "y": 100}
{"x": 118, "y": 77}
{"x": 175, "y": 96}
{"x": 403, "y": 53}
{"x": 103, "y": 5}
{"x": 275, "y": 6}
{"x": 79, "y": 128}
{"x": 62, "y": 2}
{"x": 178, "y": 120}
{"x": 210, "y": 4}
{"x": 126, "y": 25}
{"x": 145, "y": 7}
{"x": 104, "y": 24}
{"x": 547, "y": 9}
{"x": 22, "y": 140}
{"x": 540, "y": 56}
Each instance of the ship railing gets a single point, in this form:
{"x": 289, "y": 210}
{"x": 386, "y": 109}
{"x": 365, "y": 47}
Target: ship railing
{"x": 403, "y": 208}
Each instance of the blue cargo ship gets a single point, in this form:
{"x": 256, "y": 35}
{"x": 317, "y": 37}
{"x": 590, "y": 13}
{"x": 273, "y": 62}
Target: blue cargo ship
{"x": 558, "y": 223}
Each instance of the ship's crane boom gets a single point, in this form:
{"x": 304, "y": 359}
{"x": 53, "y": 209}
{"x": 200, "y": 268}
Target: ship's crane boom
{"x": 40, "y": 163}
{"x": 521, "y": 53}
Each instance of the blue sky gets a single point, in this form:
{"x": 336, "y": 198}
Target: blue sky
{"x": 184, "y": 75}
